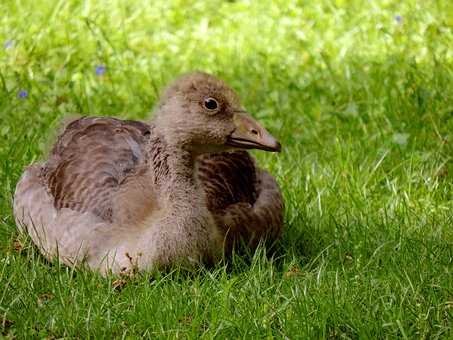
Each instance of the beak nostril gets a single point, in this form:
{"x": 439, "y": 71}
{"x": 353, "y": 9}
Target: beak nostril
{"x": 253, "y": 131}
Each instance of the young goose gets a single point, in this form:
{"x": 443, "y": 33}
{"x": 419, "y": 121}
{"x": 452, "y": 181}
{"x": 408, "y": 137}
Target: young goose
{"x": 125, "y": 195}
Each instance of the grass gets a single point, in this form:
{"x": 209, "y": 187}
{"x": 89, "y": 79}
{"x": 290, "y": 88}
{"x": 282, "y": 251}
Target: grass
{"x": 360, "y": 95}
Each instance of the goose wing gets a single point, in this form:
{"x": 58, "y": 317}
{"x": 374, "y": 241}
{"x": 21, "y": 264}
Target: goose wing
{"x": 245, "y": 200}
{"x": 227, "y": 178}
{"x": 92, "y": 160}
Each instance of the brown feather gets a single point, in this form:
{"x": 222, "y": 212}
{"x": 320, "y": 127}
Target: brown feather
{"x": 92, "y": 160}
{"x": 245, "y": 201}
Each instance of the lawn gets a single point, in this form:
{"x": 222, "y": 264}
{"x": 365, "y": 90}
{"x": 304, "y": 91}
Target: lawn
{"x": 360, "y": 94}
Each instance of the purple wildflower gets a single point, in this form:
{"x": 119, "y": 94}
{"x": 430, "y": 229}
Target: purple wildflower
{"x": 8, "y": 44}
{"x": 100, "y": 70}
{"x": 399, "y": 19}
{"x": 22, "y": 94}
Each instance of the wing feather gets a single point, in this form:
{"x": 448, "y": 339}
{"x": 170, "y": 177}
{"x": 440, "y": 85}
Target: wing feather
{"x": 91, "y": 160}
{"x": 246, "y": 201}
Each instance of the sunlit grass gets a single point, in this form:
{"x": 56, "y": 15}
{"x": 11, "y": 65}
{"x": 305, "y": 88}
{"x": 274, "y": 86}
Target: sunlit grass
{"x": 361, "y": 97}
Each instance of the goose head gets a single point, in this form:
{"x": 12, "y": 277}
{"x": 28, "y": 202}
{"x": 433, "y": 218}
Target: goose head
{"x": 202, "y": 114}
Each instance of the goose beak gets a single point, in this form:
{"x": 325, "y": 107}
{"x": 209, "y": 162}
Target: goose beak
{"x": 249, "y": 134}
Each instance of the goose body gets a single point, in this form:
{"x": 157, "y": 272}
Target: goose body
{"x": 124, "y": 195}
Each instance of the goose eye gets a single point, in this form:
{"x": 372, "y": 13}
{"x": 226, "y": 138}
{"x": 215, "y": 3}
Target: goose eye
{"x": 211, "y": 104}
